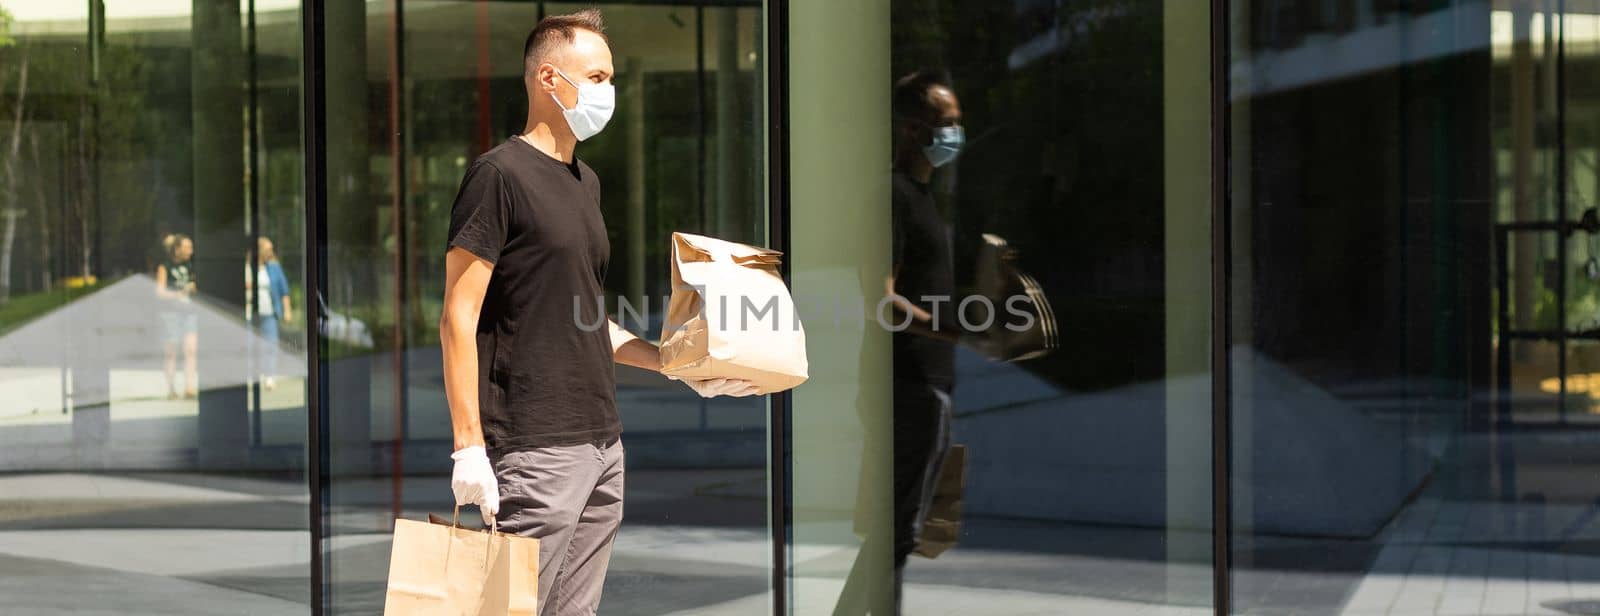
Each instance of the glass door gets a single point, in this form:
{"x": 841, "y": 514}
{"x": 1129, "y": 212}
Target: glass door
{"x": 416, "y": 91}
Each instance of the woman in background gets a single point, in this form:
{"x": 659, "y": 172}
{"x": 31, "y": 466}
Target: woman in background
{"x": 272, "y": 306}
{"x": 179, "y": 322}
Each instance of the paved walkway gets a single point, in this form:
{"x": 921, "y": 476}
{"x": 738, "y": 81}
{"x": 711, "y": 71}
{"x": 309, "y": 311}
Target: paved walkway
{"x": 199, "y": 544}
{"x": 196, "y": 544}
{"x": 1482, "y": 558}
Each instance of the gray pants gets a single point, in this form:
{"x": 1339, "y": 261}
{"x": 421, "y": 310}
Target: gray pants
{"x": 570, "y": 498}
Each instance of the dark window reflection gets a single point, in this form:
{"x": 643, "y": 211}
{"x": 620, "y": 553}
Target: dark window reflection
{"x": 1085, "y": 443}
{"x": 1413, "y": 307}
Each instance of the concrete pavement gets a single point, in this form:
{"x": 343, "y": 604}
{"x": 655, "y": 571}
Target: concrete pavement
{"x": 179, "y": 543}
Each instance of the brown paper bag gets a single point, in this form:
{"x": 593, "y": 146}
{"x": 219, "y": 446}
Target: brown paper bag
{"x": 730, "y": 316}
{"x": 942, "y": 526}
{"x": 438, "y": 568}
{"x": 1000, "y": 279}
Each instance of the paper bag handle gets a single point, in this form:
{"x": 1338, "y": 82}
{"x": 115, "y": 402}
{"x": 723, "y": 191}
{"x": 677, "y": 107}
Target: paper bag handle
{"x": 760, "y": 258}
{"x": 488, "y": 548}
{"x": 712, "y": 249}
{"x": 494, "y": 523}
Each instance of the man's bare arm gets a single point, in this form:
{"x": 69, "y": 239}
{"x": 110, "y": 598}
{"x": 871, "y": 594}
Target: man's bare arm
{"x": 921, "y": 322}
{"x": 627, "y": 349}
{"x": 466, "y": 280}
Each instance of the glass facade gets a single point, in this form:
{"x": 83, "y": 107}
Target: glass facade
{"x": 152, "y": 309}
{"x": 1413, "y": 307}
{"x": 1087, "y": 469}
{"x": 1111, "y": 306}
{"x": 416, "y": 91}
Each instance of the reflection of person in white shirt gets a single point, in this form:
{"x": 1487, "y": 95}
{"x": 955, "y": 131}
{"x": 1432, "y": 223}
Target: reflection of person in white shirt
{"x": 272, "y": 306}
{"x": 179, "y": 324}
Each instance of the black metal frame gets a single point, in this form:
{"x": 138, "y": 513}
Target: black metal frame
{"x": 402, "y": 257}
{"x": 253, "y": 197}
{"x": 1221, "y": 310}
{"x": 779, "y": 486}
{"x": 1563, "y": 228}
{"x": 314, "y": 62}
{"x": 1561, "y": 198}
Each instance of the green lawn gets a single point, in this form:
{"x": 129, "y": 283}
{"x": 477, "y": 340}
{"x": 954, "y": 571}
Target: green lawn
{"x": 22, "y": 309}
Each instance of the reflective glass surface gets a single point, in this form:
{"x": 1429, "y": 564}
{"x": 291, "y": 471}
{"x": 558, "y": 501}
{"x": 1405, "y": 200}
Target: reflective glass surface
{"x": 1082, "y": 184}
{"x": 416, "y": 91}
{"x": 1414, "y": 306}
{"x": 152, "y": 309}
{"x": 1413, "y": 281}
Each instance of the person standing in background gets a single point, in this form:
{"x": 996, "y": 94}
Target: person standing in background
{"x": 272, "y": 306}
{"x": 180, "y": 325}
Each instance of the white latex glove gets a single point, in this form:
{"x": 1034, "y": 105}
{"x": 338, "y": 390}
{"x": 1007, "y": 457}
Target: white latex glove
{"x": 473, "y": 482}
{"x": 711, "y": 388}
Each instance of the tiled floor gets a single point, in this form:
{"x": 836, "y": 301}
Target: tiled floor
{"x": 1477, "y": 558}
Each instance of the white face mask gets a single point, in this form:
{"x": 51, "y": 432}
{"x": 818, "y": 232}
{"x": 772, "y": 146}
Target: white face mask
{"x": 595, "y": 103}
{"x": 947, "y": 142}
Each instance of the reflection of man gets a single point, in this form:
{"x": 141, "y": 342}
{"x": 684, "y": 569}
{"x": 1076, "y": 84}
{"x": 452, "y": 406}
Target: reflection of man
{"x": 524, "y": 271}
{"x": 928, "y": 134}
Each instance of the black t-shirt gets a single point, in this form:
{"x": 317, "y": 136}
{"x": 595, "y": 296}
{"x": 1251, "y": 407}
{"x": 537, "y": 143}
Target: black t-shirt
{"x": 543, "y": 380}
{"x": 179, "y": 277}
{"x": 924, "y": 266}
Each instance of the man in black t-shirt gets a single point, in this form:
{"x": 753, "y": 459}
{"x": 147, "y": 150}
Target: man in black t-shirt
{"x": 528, "y": 348}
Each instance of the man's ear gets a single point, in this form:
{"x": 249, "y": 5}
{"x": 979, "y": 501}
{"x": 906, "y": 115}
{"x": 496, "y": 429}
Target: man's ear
{"x": 544, "y": 76}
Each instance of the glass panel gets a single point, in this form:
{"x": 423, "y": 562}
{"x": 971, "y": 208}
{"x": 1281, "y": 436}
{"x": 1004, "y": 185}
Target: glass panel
{"x": 684, "y": 151}
{"x": 152, "y": 391}
{"x": 1086, "y": 151}
{"x": 1414, "y": 308}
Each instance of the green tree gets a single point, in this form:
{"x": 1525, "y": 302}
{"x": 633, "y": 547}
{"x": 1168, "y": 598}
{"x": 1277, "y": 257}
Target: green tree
{"x": 64, "y": 142}
{"x": 9, "y": 213}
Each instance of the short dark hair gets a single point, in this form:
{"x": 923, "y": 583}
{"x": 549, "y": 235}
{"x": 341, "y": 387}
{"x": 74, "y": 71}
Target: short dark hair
{"x": 912, "y": 99}
{"x": 556, "y": 30}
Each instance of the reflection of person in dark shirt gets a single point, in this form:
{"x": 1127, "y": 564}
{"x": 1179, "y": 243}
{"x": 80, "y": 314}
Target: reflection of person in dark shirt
{"x": 921, "y": 286}
{"x": 179, "y": 322}
{"x": 922, "y": 278}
